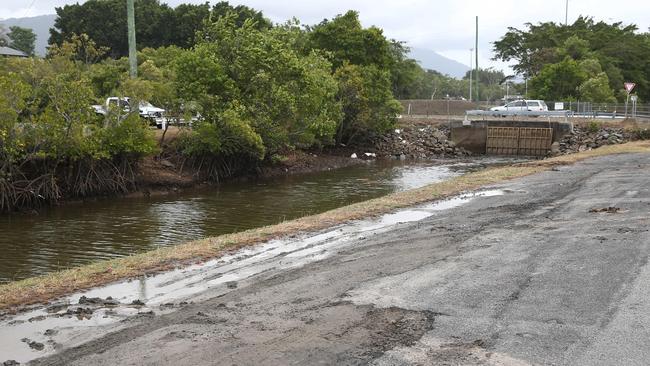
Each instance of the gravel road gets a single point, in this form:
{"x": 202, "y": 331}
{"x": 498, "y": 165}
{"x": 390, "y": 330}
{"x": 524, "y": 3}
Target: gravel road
{"x": 532, "y": 276}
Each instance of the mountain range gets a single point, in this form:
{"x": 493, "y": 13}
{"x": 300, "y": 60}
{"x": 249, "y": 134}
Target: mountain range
{"x": 40, "y": 25}
{"x": 432, "y": 60}
{"x": 428, "y": 59}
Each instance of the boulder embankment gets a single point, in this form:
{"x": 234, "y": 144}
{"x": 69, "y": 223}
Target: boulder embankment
{"x": 415, "y": 142}
{"x": 586, "y": 138}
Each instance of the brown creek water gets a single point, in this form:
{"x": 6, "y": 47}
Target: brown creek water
{"x": 76, "y": 234}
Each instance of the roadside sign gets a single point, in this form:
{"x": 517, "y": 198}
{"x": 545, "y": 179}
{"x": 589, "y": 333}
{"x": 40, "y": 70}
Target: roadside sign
{"x": 558, "y": 106}
{"x": 634, "y": 98}
{"x": 628, "y": 88}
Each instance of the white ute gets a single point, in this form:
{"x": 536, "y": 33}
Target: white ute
{"x": 153, "y": 114}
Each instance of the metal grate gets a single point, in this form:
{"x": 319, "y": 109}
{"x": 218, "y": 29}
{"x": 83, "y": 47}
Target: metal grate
{"x": 523, "y": 141}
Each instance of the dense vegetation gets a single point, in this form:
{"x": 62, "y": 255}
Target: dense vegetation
{"x": 51, "y": 144}
{"x": 256, "y": 91}
{"x": 586, "y": 60}
{"x": 159, "y": 25}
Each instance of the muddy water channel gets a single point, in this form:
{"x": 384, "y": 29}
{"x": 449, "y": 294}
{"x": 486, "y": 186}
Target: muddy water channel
{"x": 75, "y": 234}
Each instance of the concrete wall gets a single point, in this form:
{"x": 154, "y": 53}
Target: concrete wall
{"x": 472, "y": 137}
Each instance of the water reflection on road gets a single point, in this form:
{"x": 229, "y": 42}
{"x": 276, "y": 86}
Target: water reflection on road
{"x": 76, "y": 234}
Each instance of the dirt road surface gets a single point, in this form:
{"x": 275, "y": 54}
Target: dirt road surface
{"x": 528, "y": 277}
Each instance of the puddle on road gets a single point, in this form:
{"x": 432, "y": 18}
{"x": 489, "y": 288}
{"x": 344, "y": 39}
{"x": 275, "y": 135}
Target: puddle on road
{"x": 66, "y": 322}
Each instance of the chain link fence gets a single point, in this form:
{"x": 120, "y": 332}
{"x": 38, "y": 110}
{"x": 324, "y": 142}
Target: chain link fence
{"x": 602, "y": 110}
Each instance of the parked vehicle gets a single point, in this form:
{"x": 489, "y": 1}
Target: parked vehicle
{"x": 155, "y": 115}
{"x": 522, "y": 105}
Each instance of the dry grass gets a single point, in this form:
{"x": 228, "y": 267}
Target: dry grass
{"x": 54, "y": 285}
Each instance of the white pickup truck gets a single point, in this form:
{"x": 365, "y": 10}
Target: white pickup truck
{"x": 155, "y": 115}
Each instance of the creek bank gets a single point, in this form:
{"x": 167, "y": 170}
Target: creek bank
{"x": 412, "y": 140}
{"x": 158, "y": 176}
{"x": 409, "y": 141}
{"x": 169, "y": 173}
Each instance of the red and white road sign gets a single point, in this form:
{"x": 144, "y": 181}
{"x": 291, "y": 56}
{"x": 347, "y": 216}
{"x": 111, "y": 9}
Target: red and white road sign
{"x": 629, "y": 87}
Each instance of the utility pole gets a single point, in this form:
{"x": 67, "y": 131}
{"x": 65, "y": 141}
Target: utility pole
{"x": 566, "y": 14}
{"x": 526, "y": 93}
{"x": 478, "y": 96}
{"x": 133, "y": 58}
{"x": 471, "y": 71}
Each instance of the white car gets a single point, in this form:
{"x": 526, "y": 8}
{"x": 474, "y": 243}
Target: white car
{"x": 522, "y": 105}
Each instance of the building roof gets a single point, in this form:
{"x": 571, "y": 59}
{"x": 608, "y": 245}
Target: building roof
{"x": 7, "y": 51}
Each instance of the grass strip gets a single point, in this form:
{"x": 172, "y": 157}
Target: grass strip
{"x": 54, "y": 285}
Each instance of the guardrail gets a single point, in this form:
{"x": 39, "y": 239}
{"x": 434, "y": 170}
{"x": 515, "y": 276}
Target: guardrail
{"x": 548, "y": 114}
{"x": 604, "y": 110}
{"x": 566, "y": 114}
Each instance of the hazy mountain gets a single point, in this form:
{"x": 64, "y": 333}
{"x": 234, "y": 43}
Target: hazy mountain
{"x": 435, "y": 61}
{"x": 40, "y": 25}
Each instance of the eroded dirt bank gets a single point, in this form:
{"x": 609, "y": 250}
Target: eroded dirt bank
{"x": 537, "y": 275}
{"x": 410, "y": 141}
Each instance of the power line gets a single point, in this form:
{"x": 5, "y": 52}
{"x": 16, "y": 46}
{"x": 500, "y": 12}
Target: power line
{"x": 29, "y": 8}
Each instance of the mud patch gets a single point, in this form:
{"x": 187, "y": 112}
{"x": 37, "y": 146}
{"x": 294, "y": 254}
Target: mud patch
{"x": 33, "y": 344}
{"x": 610, "y": 210}
{"x": 433, "y": 351}
{"x": 109, "y": 301}
{"x": 80, "y": 313}
{"x": 387, "y": 328}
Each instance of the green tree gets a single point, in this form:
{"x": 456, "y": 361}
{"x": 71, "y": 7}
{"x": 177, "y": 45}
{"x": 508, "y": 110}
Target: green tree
{"x": 14, "y": 93}
{"x": 242, "y": 13}
{"x": 22, "y": 39}
{"x": 187, "y": 20}
{"x": 488, "y": 76}
{"x": 157, "y": 24}
{"x": 596, "y": 89}
{"x": 591, "y": 67}
{"x": 103, "y": 21}
{"x": 407, "y": 79}
{"x": 558, "y": 81}
{"x": 78, "y": 48}
{"x": 407, "y": 76}
{"x": 575, "y": 47}
{"x": 623, "y": 52}
{"x": 368, "y": 104}
{"x": 288, "y": 98}
{"x": 347, "y": 41}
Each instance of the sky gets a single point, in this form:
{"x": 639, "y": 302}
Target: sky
{"x": 444, "y": 26}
